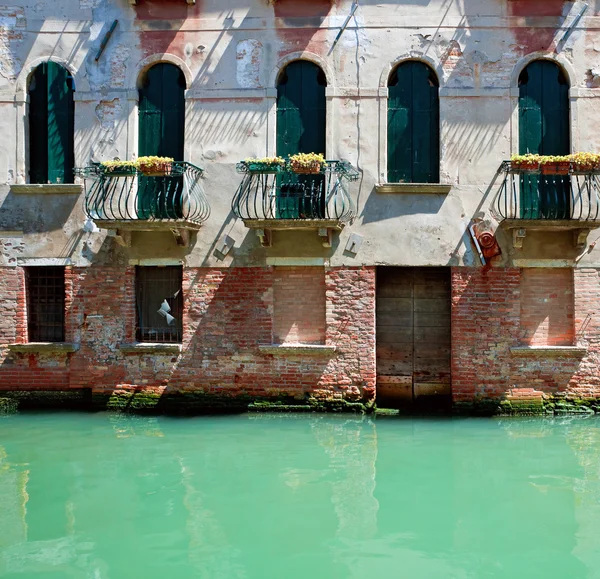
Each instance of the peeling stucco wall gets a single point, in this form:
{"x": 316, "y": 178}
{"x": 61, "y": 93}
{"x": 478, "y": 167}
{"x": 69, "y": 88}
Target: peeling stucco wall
{"x": 231, "y": 52}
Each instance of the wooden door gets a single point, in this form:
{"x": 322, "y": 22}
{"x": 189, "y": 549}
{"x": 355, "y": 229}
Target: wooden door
{"x": 51, "y": 125}
{"x": 413, "y": 335}
{"x": 544, "y": 129}
{"x": 161, "y": 133}
{"x": 413, "y": 125}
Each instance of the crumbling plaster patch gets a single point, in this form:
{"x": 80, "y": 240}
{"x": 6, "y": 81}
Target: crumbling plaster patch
{"x": 248, "y": 61}
{"x": 12, "y": 25}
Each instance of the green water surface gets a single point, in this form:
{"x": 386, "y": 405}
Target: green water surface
{"x": 105, "y": 496}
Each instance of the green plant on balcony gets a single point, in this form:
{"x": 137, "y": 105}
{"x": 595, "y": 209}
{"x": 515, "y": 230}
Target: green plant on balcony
{"x": 528, "y": 162}
{"x": 555, "y": 164}
{"x": 116, "y": 168}
{"x": 309, "y": 163}
{"x": 153, "y": 166}
{"x": 265, "y": 164}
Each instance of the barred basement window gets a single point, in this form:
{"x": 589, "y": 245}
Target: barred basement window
{"x": 45, "y": 287}
{"x": 159, "y": 304}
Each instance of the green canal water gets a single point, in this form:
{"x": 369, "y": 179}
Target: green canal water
{"x": 105, "y": 496}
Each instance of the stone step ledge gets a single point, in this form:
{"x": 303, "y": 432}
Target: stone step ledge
{"x": 151, "y": 348}
{"x": 297, "y": 350}
{"x": 37, "y": 347}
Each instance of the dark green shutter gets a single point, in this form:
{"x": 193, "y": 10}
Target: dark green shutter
{"x": 301, "y": 109}
{"x": 161, "y": 132}
{"x": 51, "y": 125}
{"x": 413, "y": 125}
{"x": 301, "y": 118}
{"x": 544, "y": 129}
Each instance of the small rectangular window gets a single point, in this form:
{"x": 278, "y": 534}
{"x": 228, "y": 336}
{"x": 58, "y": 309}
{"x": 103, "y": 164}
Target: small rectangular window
{"x": 45, "y": 288}
{"x": 159, "y": 304}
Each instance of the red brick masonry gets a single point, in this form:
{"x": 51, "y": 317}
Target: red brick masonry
{"x": 231, "y": 315}
{"x": 228, "y": 315}
{"x": 496, "y": 310}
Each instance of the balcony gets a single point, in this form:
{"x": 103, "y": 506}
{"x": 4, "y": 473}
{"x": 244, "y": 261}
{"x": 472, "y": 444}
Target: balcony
{"x": 533, "y": 201}
{"x": 280, "y": 199}
{"x": 129, "y": 200}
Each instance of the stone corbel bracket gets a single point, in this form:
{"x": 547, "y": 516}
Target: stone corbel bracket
{"x": 325, "y": 228}
{"x": 520, "y": 228}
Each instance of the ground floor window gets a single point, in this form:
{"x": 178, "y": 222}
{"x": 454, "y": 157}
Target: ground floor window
{"x": 45, "y": 289}
{"x": 159, "y": 304}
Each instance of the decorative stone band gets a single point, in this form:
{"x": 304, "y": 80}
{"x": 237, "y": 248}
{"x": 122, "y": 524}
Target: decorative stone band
{"x": 412, "y": 188}
{"x": 548, "y": 351}
{"x": 47, "y": 189}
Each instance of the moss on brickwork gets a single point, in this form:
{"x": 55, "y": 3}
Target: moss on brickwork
{"x": 559, "y": 404}
{"x": 47, "y": 399}
{"x": 8, "y": 405}
{"x": 198, "y": 402}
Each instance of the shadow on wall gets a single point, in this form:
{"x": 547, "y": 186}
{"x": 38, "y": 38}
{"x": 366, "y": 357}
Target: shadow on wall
{"x": 381, "y": 206}
{"x": 36, "y": 213}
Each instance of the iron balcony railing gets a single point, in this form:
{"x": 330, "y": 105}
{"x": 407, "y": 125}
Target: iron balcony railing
{"x": 133, "y": 196}
{"x": 285, "y": 195}
{"x": 536, "y": 196}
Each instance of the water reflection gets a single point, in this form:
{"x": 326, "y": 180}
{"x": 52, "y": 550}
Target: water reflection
{"x": 111, "y": 496}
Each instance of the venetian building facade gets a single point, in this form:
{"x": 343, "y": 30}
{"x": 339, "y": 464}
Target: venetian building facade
{"x": 417, "y": 266}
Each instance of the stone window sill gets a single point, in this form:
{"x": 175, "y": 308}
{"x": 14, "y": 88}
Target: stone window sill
{"x": 297, "y": 350}
{"x": 37, "y": 347}
{"x": 411, "y": 188}
{"x": 150, "y": 348}
{"x": 548, "y": 351}
{"x": 47, "y": 189}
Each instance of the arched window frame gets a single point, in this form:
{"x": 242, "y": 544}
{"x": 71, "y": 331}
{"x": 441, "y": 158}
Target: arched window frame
{"x": 36, "y": 134}
{"x": 330, "y": 107}
{"x": 575, "y": 94}
{"x": 433, "y": 74}
{"x": 321, "y": 77}
{"x": 382, "y": 99}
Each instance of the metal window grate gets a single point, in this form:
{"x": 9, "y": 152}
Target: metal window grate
{"x": 159, "y": 304}
{"x": 45, "y": 304}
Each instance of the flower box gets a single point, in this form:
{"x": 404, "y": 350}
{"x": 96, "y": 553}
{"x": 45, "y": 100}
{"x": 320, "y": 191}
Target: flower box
{"x": 120, "y": 172}
{"x": 308, "y": 169}
{"x": 525, "y": 166}
{"x": 265, "y": 167}
{"x": 556, "y": 168}
{"x": 154, "y": 166}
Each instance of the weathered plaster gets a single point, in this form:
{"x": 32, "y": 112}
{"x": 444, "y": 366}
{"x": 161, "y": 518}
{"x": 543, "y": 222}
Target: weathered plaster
{"x": 231, "y": 56}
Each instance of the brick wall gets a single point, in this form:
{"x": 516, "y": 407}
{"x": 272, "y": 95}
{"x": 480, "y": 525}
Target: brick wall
{"x": 586, "y": 381}
{"x": 299, "y": 305}
{"x": 490, "y": 316}
{"x": 228, "y": 315}
{"x": 547, "y": 306}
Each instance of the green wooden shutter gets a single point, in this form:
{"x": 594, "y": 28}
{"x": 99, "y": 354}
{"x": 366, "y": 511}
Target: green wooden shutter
{"x": 301, "y": 118}
{"x": 161, "y": 132}
{"x": 51, "y": 125}
{"x": 413, "y": 125}
{"x": 301, "y": 109}
{"x": 544, "y": 129}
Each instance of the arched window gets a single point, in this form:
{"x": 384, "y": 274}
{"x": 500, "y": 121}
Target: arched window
{"x": 162, "y": 112}
{"x": 301, "y": 109}
{"x": 544, "y": 129}
{"x": 161, "y": 133}
{"x": 413, "y": 124}
{"x": 51, "y": 124}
